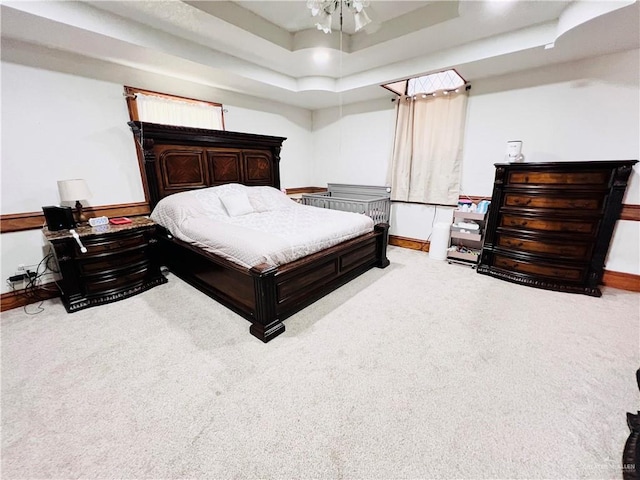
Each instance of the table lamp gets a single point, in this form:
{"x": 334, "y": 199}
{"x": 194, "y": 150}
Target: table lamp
{"x": 75, "y": 190}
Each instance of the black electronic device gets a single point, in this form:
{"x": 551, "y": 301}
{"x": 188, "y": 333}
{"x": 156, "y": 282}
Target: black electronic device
{"x": 59, "y": 218}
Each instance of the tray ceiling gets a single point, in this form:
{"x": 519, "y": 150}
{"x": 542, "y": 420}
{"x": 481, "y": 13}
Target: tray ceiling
{"x": 271, "y": 49}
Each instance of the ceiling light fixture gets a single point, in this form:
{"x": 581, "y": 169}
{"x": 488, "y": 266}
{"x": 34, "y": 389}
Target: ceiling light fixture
{"x": 325, "y": 9}
{"x": 321, "y": 56}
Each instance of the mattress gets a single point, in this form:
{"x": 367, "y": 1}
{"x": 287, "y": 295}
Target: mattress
{"x": 254, "y": 225}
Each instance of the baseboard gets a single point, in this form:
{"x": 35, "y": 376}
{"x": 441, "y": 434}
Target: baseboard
{"x": 19, "y": 298}
{"x": 630, "y": 212}
{"x": 412, "y": 243}
{"x": 620, "y": 280}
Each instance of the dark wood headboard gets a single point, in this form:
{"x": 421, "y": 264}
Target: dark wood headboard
{"x": 182, "y": 158}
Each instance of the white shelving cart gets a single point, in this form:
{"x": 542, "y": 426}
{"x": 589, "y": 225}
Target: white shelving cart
{"x": 465, "y": 245}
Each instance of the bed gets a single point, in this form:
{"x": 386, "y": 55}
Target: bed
{"x": 181, "y": 159}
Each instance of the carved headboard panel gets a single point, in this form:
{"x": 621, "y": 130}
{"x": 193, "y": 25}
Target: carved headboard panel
{"x": 182, "y": 158}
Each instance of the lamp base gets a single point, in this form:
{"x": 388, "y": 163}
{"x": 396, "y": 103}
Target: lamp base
{"x": 80, "y": 216}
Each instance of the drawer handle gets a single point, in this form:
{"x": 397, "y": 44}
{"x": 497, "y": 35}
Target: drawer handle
{"x": 516, "y": 223}
{"x": 75, "y": 235}
{"x": 522, "y": 202}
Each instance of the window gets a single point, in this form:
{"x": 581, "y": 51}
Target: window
{"x": 154, "y": 107}
{"x": 447, "y": 80}
{"x": 427, "y": 151}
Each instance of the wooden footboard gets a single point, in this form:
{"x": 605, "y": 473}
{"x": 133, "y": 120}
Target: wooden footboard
{"x": 266, "y": 295}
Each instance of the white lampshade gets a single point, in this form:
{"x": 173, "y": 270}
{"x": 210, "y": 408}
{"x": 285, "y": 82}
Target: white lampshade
{"x": 73, "y": 190}
{"x": 324, "y": 23}
{"x": 361, "y": 19}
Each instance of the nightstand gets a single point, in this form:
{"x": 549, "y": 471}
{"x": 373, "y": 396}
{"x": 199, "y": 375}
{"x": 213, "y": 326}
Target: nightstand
{"x": 120, "y": 261}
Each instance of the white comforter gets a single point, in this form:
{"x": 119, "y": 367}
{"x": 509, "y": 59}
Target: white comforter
{"x": 277, "y": 230}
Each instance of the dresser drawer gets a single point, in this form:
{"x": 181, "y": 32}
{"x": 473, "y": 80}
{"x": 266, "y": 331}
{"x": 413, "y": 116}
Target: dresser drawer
{"x": 587, "y": 201}
{"x": 108, "y": 263}
{"x": 586, "y": 226}
{"x": 560, "y": 178}
{"x": 102, "y": 285}
{"x": 567, "y": 249}
{"x": 556, "y": 272}
{"x": 112, "y": 243}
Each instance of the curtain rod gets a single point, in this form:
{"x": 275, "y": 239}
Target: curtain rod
{"x": 467, "y": 87}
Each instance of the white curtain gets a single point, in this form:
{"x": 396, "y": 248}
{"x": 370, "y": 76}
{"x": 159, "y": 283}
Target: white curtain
{"x": 427, "y": 151}
{"x": 175, "y": 112}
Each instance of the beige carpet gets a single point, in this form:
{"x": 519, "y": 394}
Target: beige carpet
{"x": 422, "y": 370}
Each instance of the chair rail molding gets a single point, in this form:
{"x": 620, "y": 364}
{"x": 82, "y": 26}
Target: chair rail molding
{"x": 17, "y": 222}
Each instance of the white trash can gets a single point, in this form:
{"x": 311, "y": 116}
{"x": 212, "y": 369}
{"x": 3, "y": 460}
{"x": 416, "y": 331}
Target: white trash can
{"x": 439, "y": 241}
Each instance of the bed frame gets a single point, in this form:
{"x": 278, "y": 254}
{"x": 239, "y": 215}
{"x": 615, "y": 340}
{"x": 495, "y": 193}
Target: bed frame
{"x": 177, "y": 159}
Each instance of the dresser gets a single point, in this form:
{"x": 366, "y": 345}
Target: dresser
{"x": 118, "y": 261}
{"x": 550, "y": 224}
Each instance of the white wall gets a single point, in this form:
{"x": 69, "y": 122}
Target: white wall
{"x": 624, "y": 253}
{"x": 585, "y": 110}
{"x": 58, "y": 125}
{"x": 296, "y": 158}
{"x": 354, "y": 146}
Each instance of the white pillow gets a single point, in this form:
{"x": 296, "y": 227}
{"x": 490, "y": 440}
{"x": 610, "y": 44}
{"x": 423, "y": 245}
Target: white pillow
{"x": 266, "y": 199}
{"x": 237, "y": 204}
{"x": 209, "y": 202}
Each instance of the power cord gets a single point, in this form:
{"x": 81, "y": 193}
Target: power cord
{"x": 433, "y": 221}
{"x": 31, "y": 288}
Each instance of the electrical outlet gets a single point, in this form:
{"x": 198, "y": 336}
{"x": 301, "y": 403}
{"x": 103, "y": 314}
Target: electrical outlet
{"x": 22, "y": 277}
